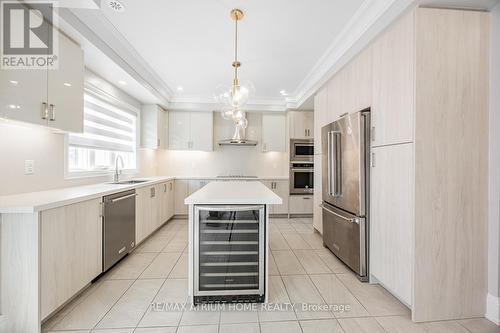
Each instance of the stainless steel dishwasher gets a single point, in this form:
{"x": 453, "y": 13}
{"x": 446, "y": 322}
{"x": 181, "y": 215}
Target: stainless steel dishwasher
{"x": 118, "y": 232}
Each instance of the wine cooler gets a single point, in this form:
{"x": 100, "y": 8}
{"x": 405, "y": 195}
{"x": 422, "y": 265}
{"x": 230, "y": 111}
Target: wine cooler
{"x": 229, "y": 253}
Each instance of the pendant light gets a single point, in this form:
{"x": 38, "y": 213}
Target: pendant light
{"x": 233, "y": 98}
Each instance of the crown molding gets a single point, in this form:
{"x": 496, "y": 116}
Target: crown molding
{"x": 96, "y": 28}
{"x": 204, "y": 103}
{"x": 370, "y": 19}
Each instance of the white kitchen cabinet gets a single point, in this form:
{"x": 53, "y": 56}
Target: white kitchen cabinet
{"x": 47, "y": 97}
{"x": 190, "y": 130}
{"x": 181, "y": 189}
{"x": 143, "y": 213}
{"x": 273, "y": 132}
{"x": 154, "y": 127}
{"x": 318, "y": 195}
{"x": 281, "y": 188}
{"x": 170, "y": 199}
{"x": 392, "y": 113}
{"x": 202, "y": 131}
{"x": 391, "y": 218}
{"x": 65, "y": 88}
{"x": 301, "y": 124}
{"x": 70, "y": 252}
{"x": 301, "y": 204}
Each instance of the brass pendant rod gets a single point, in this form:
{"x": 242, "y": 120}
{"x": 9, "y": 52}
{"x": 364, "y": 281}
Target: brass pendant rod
{"x": 236, "y": 51}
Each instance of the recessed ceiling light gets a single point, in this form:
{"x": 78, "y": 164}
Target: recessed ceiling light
{"x": 116, "y": 5}
{"x": 14, "y": 82}
{"x": 283, "y": 92}
{"x": 123, "y": 83}
{"x": 180, "y": 88}
{"x": 67, "y": 84}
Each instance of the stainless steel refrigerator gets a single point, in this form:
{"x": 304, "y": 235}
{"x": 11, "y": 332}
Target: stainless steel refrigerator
{"x": 346, "y": 177}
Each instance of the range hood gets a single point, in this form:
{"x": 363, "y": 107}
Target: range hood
{"x": 238, "y": 139}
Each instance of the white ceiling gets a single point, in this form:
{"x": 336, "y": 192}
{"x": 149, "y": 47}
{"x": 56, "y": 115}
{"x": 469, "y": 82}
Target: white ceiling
{"x": 189, "y": 43}
{"x": 292, "y": 45}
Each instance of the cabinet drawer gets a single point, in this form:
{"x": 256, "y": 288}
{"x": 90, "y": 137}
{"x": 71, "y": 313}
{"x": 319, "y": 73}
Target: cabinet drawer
{"x": 301, "y": 204}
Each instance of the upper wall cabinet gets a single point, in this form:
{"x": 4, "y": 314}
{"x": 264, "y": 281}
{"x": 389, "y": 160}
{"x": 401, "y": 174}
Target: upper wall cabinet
{"x": 190, "y": 130}
{"x": 301, "y": 124}
{"x": 393, "y": 84}
{"x": 273, "y": 132}
{"x": 320, "y": 116}
{"x": 154, "y": 127}
{"x": 47, "y": 97}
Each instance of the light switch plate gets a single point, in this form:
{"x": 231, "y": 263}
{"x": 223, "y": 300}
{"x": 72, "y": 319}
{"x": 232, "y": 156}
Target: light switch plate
{"x": 29, "y": 167}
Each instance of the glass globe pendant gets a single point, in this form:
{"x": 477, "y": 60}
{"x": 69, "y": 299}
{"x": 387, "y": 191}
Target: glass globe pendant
{"x": 237, "y": 95}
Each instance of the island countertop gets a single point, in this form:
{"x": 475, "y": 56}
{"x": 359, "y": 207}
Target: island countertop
{"x": 234, "y": 192}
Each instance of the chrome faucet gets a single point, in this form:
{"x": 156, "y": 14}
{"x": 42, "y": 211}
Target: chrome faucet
{"x": 117, "y": 171}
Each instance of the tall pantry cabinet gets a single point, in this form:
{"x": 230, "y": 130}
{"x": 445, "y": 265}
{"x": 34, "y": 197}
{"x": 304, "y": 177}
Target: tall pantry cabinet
{"x": 429, "y": 108}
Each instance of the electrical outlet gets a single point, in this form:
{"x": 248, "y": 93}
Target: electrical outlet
{"x": 29, "y": 167}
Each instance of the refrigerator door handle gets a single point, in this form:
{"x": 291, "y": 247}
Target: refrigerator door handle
{"x": 337, "y": 172}
{"x": 330, "y": 156}
{"x": 351, "y": 220}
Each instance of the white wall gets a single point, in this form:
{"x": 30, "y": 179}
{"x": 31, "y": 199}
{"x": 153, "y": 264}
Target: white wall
{"x": 493, "y": 311}
{"x": 226, "y": 160}
{"x": 20, "y": 142}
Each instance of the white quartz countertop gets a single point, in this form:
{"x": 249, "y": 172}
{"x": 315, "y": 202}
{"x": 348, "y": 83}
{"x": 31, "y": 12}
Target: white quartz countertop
{"x": 39, "y": 201}
{"x": 234, "y": 192}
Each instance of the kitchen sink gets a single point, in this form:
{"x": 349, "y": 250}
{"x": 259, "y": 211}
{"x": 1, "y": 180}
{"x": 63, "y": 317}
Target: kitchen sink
{"x": 128, "y": 182}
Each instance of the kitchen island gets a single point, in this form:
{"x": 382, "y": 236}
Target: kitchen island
{"x": 228, "y": 242}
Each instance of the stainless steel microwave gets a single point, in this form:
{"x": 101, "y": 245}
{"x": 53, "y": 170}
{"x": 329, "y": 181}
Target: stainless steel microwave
{"x": 301, "y": 150}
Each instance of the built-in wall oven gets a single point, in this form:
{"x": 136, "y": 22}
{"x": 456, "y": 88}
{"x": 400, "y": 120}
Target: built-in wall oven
{"x": 301, "y": 177}
{"x": 301, "y": 150}
{"x": 229, "y": 253}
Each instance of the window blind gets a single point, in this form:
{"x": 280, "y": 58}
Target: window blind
{"x": 106, "y": 127}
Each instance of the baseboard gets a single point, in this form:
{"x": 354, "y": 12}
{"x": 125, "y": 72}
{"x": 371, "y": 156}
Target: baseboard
{"x": 493, "y": 309}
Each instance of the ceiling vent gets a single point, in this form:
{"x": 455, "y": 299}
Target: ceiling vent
{"x": 116, "y": 5}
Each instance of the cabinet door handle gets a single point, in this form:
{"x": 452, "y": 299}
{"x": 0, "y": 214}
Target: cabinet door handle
{"x": 45, "y": 111}
{"x": 158, "y": 142}
{"x": 52, "y": 112}
{"x": 165, "y": 187}
{"x": 306, "y": 198}
{"x": 373, "y": 133}
{"x": 170, "y": 186}
{"x": 153, "y": 192}
{"x": 373, "y": 160}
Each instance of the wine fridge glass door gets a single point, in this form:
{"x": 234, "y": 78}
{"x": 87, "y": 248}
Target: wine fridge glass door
{"x": 229, "y": 250}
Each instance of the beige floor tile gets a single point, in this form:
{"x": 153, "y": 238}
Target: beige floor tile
{"x": 163, "y": 313}
{"x": 277, "y": 241}
{"x": 287, "y": 263}
{"x": 286, "y": 229}
{"x": 296, "y": 242}
{"x": 480, "y": 325}
{"x": 88, "y": 313}
{"x": 177, "y": 244}
{"x": 131, "y": 267}
{"x": 360, "y": 325}
{"x": 113, "y": 330}
{"x": 321, "y": 326}
{"x": 314, "y": 240}
{"x": 161, "y": 266}
{"x": 445, "y": 327}
{"x": 229, "y": 316}
{"x": 156, "y": 330}
{"x": 311, "y": 262}
{"x": 180, "y": 270}
{"x": 302, "y": 228}
{"x": 240, "y": 328}
{"x": 200, "y": 317}
{"x": 376, "y": 300}
{"x": 301, "y": 291}
{"x": 77, "y": 331}
{"x": 335, "y": 265}
{"x": 273, "y": 269}
{"x": 276, "y": 309}
{"x": 198, "y": 329}
{"x": 128, "y": 311}
{"x": 400, "y": 324}
{"x": 156, "y": 243}
{"x": 335, "y": 293}
{"x": 280, "y": 326}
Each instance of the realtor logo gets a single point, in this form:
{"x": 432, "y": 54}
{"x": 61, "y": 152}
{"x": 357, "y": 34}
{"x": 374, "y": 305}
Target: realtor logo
{"x": 28, "y": 39}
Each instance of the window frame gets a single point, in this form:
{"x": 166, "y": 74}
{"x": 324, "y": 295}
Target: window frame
{"x": 108, "y": 98}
